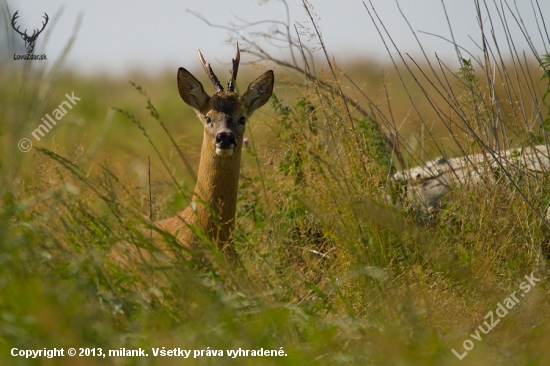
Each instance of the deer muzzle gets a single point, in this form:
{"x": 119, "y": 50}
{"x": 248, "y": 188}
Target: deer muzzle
{"x": 225, "y": 143}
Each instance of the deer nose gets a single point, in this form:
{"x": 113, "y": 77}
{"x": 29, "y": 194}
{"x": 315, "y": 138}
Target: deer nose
{"x": 225, "y": 138}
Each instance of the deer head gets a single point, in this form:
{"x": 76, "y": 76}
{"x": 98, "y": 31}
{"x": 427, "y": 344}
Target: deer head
{"x": 224, "y": 114}
{"x": 29, "y": 40}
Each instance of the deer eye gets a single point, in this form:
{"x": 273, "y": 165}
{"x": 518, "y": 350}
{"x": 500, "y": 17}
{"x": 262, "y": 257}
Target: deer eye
{"x": 242, "y": 120}
{"x": 208, "y": 120}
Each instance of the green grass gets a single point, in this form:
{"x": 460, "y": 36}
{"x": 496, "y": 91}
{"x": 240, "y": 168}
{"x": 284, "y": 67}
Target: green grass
{"x": 332, "y": 272}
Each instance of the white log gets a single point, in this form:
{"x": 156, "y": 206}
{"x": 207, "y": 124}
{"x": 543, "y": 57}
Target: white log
{"x": 426, "y": 184}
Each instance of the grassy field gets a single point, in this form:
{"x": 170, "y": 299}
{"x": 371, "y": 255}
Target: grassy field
{"x": 337, "y": 267}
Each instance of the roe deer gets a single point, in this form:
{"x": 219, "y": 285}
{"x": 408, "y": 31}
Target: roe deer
{"x": 224, "y": 116}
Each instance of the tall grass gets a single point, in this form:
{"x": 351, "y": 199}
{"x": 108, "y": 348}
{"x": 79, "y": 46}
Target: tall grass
{"x": 331, "y": 270}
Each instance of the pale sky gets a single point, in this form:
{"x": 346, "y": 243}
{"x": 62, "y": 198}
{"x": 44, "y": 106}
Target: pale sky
{"x": 124, "y": 35}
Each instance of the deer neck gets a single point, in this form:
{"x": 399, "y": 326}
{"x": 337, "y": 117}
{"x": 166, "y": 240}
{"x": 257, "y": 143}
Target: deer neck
{"x": 217, "y": 185}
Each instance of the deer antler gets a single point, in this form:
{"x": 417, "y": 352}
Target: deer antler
{"x": 234, "y": 70}
{"x": 210, "y": 73}
{"x": 13, "y": 19}
{"x": 34, "y": 33}
{"x": 43, "y": 26}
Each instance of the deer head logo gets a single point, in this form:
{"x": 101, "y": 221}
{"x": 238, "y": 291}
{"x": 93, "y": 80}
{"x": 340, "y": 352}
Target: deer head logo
{"x": 29, "y": 40}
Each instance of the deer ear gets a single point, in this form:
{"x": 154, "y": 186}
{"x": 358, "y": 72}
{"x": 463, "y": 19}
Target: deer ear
{"x": 191, "y": 90}
{"x": 258, "y": 92}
